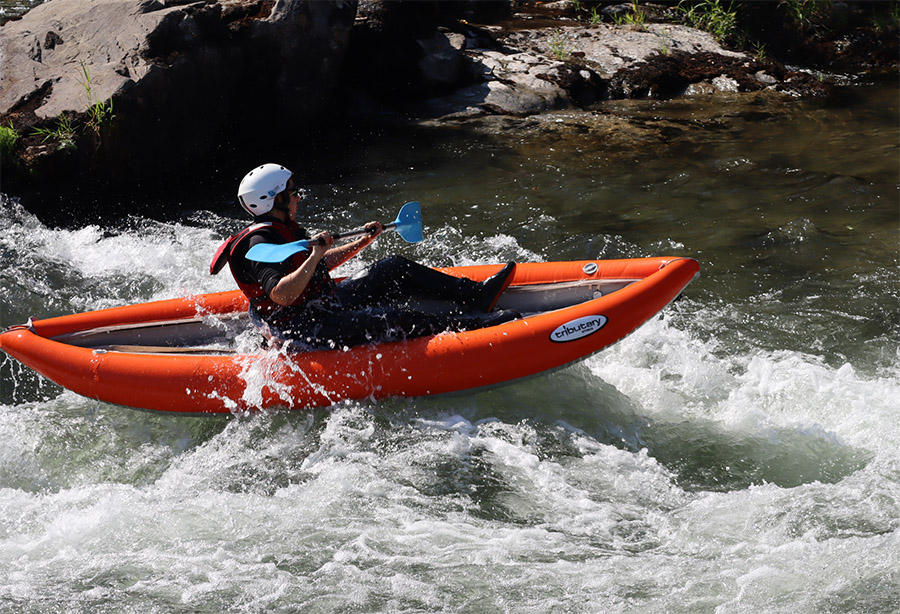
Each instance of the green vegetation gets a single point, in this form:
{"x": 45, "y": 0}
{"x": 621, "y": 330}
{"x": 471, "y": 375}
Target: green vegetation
{"x": 634, "y": 17}
{"x": 805, "y": 12}
{"x": 664, "y": 41}
{"x": 8, "y": 139}
{"x": 99, "y": 112}
{"x": 756, "y": 27}
{"x": 64, "y": 132}
{"x": 890, "y": 20}
{"x": 827, "y": 15}
{"x": 759, "y": 49}
{"x": 711, "y": 16}
{"x": 559, "y": 46}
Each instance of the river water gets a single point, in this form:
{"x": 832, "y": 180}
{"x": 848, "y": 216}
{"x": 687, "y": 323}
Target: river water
{"x": 736, "y": 454}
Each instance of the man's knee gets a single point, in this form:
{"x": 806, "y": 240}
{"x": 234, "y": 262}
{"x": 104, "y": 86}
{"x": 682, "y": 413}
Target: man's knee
{"x": 394, "y": 261}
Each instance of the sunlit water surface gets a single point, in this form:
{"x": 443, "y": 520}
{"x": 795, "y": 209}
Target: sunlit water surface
{"x": 736, "y": 454}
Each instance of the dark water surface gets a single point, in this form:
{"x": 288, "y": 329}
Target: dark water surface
{"x": 736, "y": 454}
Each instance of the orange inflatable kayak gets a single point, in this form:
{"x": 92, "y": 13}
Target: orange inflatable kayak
{"x": 200, "y": 354}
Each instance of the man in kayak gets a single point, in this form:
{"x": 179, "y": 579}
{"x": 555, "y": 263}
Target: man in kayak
{"x": 298, "y": 300}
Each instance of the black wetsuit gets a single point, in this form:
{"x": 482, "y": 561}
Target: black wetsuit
{"x": 371, "y": 306}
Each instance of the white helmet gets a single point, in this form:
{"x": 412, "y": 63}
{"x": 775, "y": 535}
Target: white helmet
{"x": 260, "y": 186}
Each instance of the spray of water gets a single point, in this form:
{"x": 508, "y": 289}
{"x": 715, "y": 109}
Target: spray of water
{"x": 736, "y": 454}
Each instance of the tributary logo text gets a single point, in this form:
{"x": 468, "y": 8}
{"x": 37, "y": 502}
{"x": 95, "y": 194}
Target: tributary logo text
{"x": 578, "y": 328}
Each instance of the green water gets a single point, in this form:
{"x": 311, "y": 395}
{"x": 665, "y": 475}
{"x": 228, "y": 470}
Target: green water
{"x": 784, "y": 202}
{"x": 735, "y": 455}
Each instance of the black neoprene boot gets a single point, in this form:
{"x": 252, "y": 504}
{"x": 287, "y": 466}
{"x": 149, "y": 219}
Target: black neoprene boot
{"x": 488, "y": 291}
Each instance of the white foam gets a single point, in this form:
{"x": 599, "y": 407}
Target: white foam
{"x": 673, "y": 376}
{"x": 544, "y": 496}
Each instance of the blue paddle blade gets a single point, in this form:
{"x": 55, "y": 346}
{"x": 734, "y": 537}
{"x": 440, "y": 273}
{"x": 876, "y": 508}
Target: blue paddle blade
{"x": 409, "y": 222}
{"x": 276, "y": 252}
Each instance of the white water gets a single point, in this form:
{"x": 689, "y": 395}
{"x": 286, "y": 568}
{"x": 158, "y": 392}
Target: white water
{"x": 559, "y": 494}
{"x": 737, "y": 454}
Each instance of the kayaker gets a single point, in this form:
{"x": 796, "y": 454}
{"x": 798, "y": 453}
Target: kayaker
{"x": 298, "y": 300}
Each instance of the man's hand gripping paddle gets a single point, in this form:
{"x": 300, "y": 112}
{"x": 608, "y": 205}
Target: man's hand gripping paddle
{"x": 408, "y": 225}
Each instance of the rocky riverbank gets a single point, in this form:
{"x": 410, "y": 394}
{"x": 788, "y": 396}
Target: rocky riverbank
{"x": 127, "y": 90}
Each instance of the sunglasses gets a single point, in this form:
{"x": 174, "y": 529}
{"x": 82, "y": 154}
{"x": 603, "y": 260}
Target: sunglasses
{"x": 296, "y": 191}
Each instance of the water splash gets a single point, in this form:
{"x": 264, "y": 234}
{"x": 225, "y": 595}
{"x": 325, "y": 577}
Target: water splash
{"x": 737, "y": 454}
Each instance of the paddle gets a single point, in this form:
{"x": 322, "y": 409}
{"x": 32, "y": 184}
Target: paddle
{"x": 408, "y": 224}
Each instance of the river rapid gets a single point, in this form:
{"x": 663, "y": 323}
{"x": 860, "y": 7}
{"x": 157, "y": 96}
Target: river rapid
{"x": 737, "y": 454}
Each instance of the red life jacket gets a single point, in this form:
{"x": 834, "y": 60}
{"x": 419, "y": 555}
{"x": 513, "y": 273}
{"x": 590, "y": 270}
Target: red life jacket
{"x": 321, "y": 282}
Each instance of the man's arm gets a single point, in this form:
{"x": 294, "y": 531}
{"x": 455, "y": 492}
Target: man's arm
{"x": 336, "y": 256}
{"x": 291, "y": 286}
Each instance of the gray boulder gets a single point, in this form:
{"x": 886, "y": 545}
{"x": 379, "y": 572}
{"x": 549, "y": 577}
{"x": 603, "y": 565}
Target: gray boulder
{"x": 531, "y": 71}
{"x": 442, "y": 58}
{"x": 179, "y": 75}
